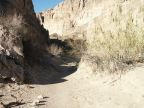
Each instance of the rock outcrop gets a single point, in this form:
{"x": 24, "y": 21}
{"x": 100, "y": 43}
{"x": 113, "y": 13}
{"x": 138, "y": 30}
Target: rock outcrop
{"x": 79, "y": 18}
{"x": 70, "y": 17}
{"x": 22, "y": 38}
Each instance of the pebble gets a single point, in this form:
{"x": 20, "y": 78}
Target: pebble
{"x": 35, "y": 102}
{"x": 40, "y": 97}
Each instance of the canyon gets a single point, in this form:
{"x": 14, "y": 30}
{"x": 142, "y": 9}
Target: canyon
{"x": 80, "y": 54}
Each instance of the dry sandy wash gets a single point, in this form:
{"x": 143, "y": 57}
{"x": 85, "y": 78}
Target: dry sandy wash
{"x": 83, "y": 89}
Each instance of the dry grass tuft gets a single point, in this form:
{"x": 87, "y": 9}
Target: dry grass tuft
{"x": 55, "y": 50}
{"x": 114, "y": 49}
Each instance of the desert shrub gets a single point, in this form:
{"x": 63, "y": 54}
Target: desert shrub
{"x": 116, "y": 48}
{"x": 77, "y": 46}
{"x": 55, "y": 50}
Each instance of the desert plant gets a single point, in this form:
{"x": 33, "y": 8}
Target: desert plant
{"x": 55, "y": 50}
{"x": 116, "y": 48}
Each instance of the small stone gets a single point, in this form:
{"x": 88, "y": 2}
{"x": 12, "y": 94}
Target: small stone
{"x": 36, "y": 101}
{"x": 7, "y": 53}
{"x": 40, "y": 97}
{"x": 13, "y": 79}
{"x": 33, "y": 104}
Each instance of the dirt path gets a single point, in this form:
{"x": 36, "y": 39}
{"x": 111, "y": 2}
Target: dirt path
{"x": 81, "y": 89}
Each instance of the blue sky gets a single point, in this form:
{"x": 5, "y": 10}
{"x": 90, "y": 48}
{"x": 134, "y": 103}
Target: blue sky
{"x": 41, "y": 5}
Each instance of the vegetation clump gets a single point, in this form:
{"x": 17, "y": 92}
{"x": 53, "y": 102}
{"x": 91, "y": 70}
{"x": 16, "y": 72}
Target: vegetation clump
{"x": 120, "y": 45}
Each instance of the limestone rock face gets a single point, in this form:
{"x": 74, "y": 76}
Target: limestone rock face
{"x": 70, "y": 17}
{"x": 22, "y": 38}
{"x": 80, "y": 18}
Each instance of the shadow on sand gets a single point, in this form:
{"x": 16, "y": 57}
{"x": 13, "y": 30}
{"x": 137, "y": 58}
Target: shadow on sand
{"x": 52, "y": 70}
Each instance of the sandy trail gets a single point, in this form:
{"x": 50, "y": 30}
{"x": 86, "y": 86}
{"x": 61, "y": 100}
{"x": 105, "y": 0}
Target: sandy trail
{"x": 82, "y": 89}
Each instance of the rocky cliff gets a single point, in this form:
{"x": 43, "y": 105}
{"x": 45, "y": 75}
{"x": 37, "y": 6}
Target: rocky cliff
{"x": 78, "y": 18}
{"x": 22, "y": 38}
{"x": 71, "y": 16}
